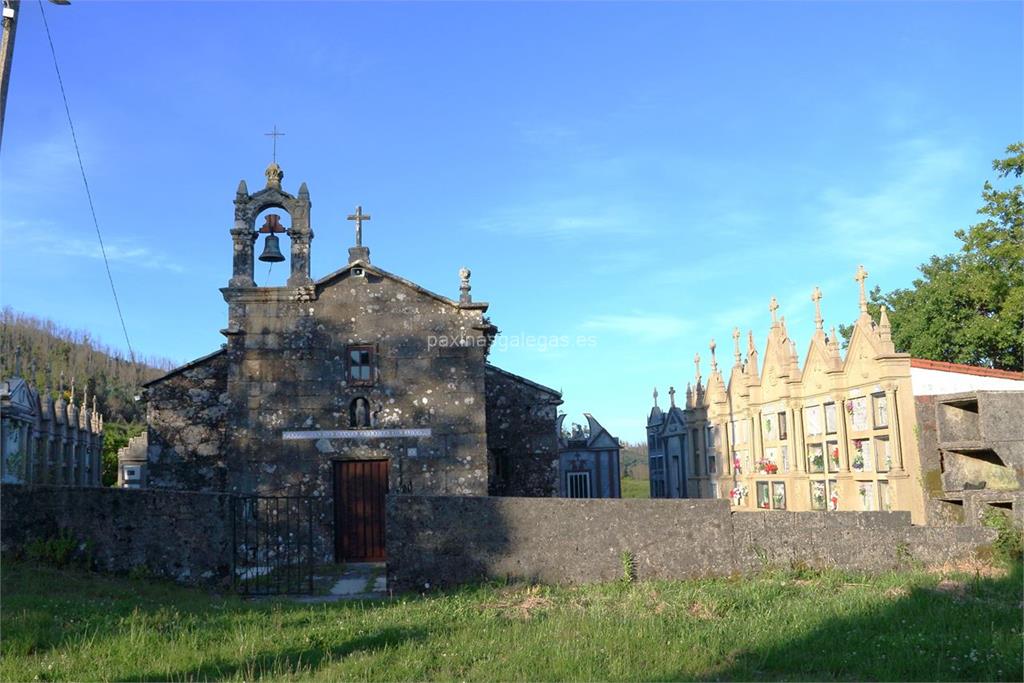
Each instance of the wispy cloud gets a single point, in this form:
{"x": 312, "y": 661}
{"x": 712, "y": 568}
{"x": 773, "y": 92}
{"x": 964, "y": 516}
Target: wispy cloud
{"x": 43, "y": 239}
{"x": 569, "y": 220}
{"x": 651, "y": 327}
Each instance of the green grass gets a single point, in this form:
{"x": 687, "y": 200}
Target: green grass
{"x": 73, "y": 625}
{"x": 635, "y": 488}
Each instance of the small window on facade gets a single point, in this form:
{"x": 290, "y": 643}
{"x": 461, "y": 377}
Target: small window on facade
{"x": 818, "y": 495}
{"x": 577, "y": 484}
{"x": 714, "y": 490}
{"x": 360, "y": 364}
{"x": 783, "y": 434}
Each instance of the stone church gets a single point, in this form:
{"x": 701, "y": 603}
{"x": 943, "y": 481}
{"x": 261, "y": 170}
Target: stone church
{"x": 358, "y": 381}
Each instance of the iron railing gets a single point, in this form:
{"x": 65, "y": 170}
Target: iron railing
{"x": 273, "y": 543}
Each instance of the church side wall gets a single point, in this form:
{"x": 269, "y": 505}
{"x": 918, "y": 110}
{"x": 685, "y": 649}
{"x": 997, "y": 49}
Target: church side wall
{"x": 186, "y": 415}
{"x": 522, "y": 441}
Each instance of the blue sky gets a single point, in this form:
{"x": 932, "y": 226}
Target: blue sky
{"x": 645, "y": 174}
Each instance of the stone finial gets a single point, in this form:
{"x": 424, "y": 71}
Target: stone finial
{"x": 773, "y": 306}
{"x": 274, "y": 176}
{"x": 714, "y": 361}
{"x": 884, "y": 327}
{"x": 72, "y": 399}
{"x": 303, "y": 191}
{"x": 243, "y": 189}
{"x": 464, "y": 286}
{"x": 736, "y": 345}
{"x": 672, "y": 396}
{"x": 816, "y": 298}
{"x": 696, "y": 363}
{"x": 751, "y": 349}
{"x": 655, "y": 397}
{"x": 860, "y": 277}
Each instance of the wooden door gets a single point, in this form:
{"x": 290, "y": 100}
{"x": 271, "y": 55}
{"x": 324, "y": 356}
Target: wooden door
{"x": 359, "y": 490}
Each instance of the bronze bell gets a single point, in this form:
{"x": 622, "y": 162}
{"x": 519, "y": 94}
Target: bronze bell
{"x": 272, "y": 250}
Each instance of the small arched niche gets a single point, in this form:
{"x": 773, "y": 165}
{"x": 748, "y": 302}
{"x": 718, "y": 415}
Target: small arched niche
{"x": 359, "y": 413}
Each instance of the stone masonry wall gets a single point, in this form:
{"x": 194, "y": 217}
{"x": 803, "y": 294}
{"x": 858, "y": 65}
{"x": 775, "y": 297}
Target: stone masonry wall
{"x": 438, "y": 541}
{"x": 522, "y": 438}
{"x": 186, "y": 416}
{"x": 179, "y": 535}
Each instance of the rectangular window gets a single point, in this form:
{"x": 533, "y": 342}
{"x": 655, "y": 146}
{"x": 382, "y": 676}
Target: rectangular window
{"x": 577, "y": 484}
{"x": 815, "y": 458}
{"x": 784, "y": 454}
{"x": 740, "y": 432}
{"x": 866, "y": 492}
{"x": 712, "y": 465}
{"x": 762, "y": 495}
{"x": 360, "y": 365}
{"x": 779, "y": 495}
{"x": 657, "y": 488}
{"x": 737, "y": 461}
{"x": 812, "y": 418}
{"x": 881, "y": 411}
{"x": 883, "y": 457}
{"x": 833, "y": 494}
{"x": 830, "y": 418}
{"x": 783, "y": 433}
{"x": 714, "y": 489}
{"x": 818, "y": 497}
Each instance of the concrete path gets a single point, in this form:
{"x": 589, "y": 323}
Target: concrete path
{"x": 356, "y": 581}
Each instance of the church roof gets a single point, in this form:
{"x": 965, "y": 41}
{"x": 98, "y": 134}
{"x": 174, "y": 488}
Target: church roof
{"x": 182, "y": 368}
{"x": 520, "y": 378}
{"x": 368, "y": 267}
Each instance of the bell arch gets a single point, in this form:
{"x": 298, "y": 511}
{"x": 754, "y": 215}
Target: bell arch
{"x": 243, "y": 234}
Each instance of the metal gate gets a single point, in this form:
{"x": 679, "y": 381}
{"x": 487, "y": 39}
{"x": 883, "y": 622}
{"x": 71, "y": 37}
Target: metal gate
{"x": 273, "y": 544}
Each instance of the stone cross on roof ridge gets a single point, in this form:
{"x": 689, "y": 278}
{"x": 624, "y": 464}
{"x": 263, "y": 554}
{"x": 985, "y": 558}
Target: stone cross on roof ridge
{"x": 860, "y": 277}
{"x": 773, "y": 306}
{"x": 359, "y": 217}
{"x": 816, "y": 298}
{"x": 714, "y": 361}
{"x": 736, "y": 344}
{"x": 696, "y": 362}
{"x": 655, "y": 397}
{"x": 672, "y": 396}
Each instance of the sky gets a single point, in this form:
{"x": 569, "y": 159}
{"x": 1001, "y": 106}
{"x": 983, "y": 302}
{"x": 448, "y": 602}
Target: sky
{"x": 626, "y": 181}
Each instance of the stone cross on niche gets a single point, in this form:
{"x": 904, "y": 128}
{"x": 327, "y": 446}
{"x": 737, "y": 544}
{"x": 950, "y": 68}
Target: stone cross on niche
{"x": 860, "y": 277}
{"x": 359, "y": 217}
{"x": 816, "y": 298}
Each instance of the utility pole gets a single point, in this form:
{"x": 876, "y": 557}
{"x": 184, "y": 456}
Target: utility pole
{"x": 10, "y": 24}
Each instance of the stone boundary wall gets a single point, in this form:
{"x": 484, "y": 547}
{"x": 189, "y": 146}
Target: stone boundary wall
{"x": 179, "y": 535}
{"x": 437, "y": 541}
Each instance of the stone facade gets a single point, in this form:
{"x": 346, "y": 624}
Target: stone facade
{"x": 47, "y": 441}
{"x": 835, "y": 433}
{"x": 440, "y": 541}
{"x": 588, "y": 461}
{"x": 360, "y": 350}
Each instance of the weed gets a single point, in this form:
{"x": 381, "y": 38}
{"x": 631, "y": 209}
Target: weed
{"x": 58, "y": 551}
{"x": 628, "y": 560}
{"x": 1009, "y": 543}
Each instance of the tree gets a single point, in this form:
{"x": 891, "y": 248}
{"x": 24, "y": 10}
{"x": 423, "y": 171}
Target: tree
{"x": 968, "y": 307}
